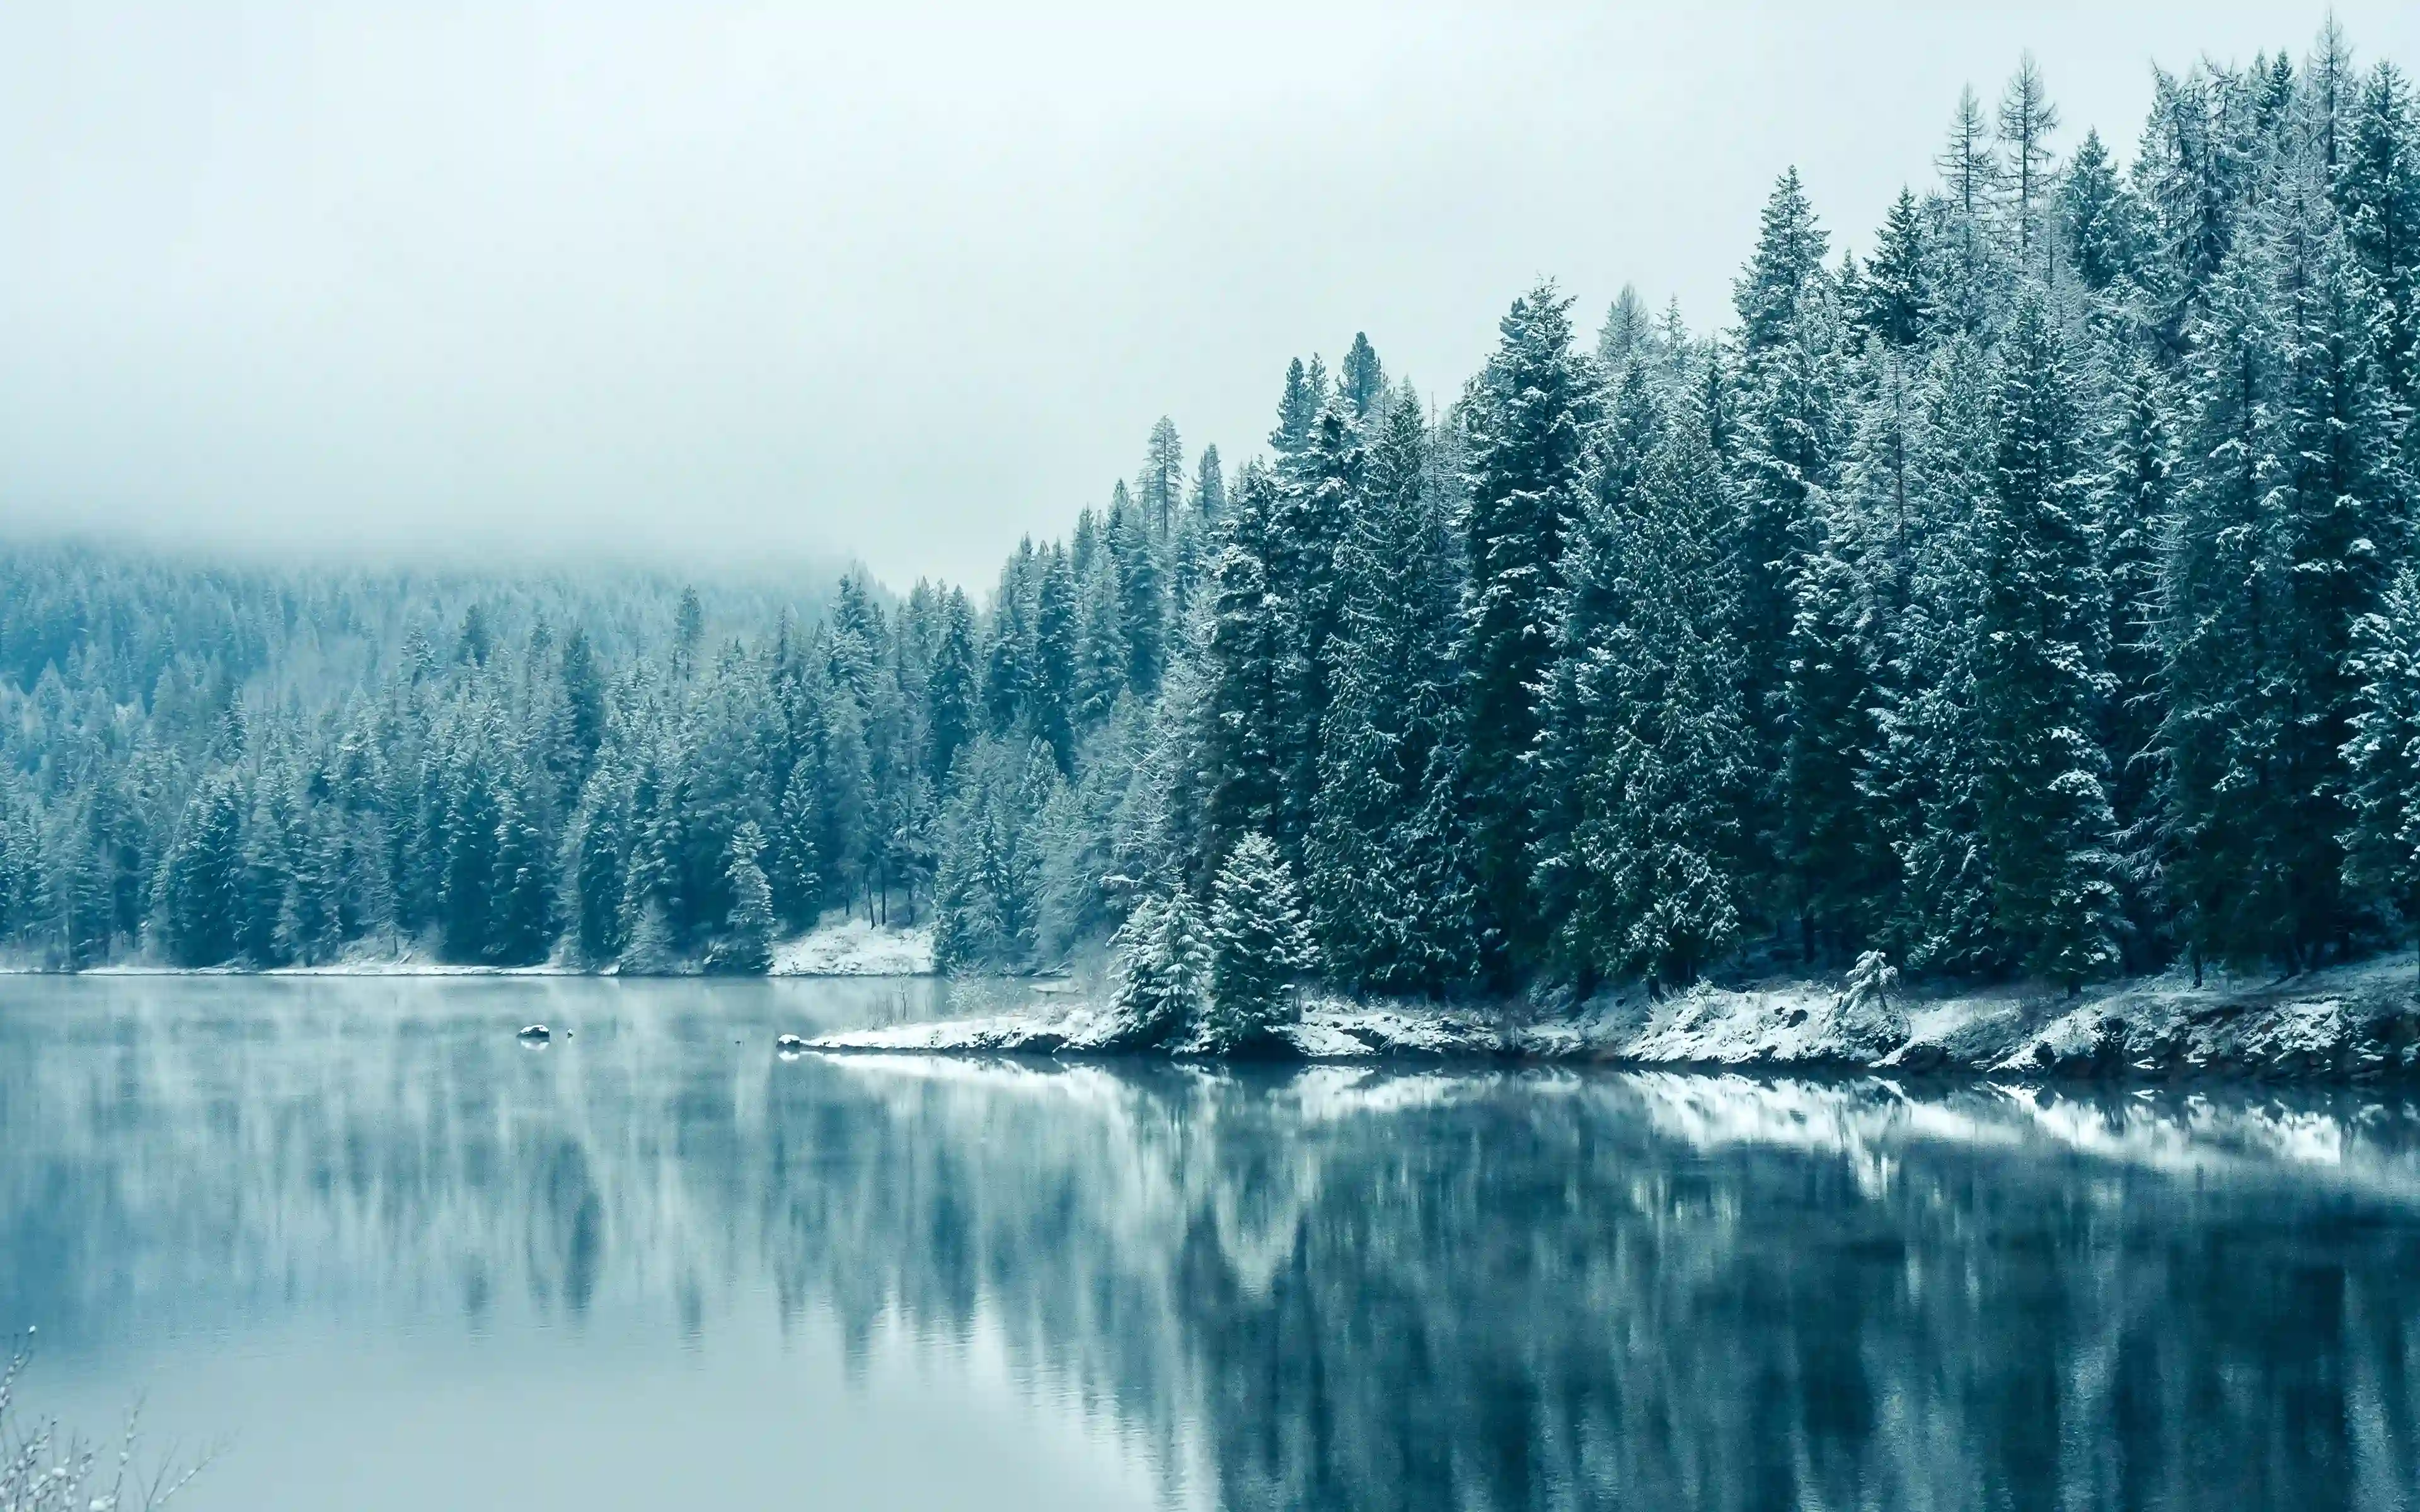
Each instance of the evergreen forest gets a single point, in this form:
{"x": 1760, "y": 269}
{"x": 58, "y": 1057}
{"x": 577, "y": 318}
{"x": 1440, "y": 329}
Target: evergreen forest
{"x": 2026, "y": 588}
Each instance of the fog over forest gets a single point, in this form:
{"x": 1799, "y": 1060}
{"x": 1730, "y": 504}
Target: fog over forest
{"x": 718, "y": 285}
{"x": 2022, "y": 588}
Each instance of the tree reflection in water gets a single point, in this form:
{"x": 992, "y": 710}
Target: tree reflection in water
{"x": 1326, "y": 1287}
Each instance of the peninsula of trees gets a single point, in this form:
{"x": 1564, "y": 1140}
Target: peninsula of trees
{"x": 2032, "y": 592}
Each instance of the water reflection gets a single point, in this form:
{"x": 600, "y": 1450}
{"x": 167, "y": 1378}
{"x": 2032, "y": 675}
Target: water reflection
{"x": 1328, "y": 1288}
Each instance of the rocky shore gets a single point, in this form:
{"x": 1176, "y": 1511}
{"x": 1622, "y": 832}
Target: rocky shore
{"x": 2342, "y": 1023}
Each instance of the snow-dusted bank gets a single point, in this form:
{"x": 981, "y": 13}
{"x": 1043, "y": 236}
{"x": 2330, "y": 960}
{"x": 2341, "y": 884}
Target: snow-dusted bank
{"x": 2341, "y": 1024}
{"x": 846, "y": 948}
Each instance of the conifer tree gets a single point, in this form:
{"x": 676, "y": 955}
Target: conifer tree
{"x": 200, "y": 877}
{"x": 2378, "y": 185}
{"x": 522, "y": 931}
{"x": 1628, "y": 333}
{"x": 1830, "y": 846}
{"x": 2098, "y": 217}
{"x": 1789, "y": 258}
{"x": 746, "y": 948}
{"x": 1244, "y": 654}
{"x": 1796, "y": 431}
{"x": 1386, "y": 915}
{"x": 1925, "y": 777}
{"x": 1259, "y": 946}
{"x": 2382, "y": 842}
{"x": 1653, "y": 893}
{"x": 689, "y": 633}
{"x": 2027, "y": 120}
{"x": 267, "y": 869}
{"x": 1526, "y": 421}
{"x": 1305, "y": 534}
{"x": 1141, "y": 599}
{"x": 1209, "y": 500}
{"x": 1896, "y": 303}
{"x": 311, "y": 927}
{"x": 1008, "y": 657}
{"x": 584, "y": 692}
{"x": 2040, "y": 645}
{"x": 2137, "y": 510}
{"x": 795, "y": 873}
{"x": 1051, "y": 705}
{"x": 952, "y": 690}
{"x": 1298, "y": 407}
{"x": 598, "y": 839}
{"x": 1360, "y": 382}
{"x": 1971, "y": 171}
{"x": 1103, "y": 664}
{"x": 1164, "y": 965}
{"x": 1159, "y": 488}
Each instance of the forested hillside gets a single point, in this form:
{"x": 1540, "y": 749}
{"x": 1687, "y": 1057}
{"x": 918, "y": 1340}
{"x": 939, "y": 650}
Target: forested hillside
{"x": 2028, "y": 591}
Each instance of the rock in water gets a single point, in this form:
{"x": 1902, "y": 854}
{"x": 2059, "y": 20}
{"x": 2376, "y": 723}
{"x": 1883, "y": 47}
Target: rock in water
{"x": 788, "y": 1045}
{"x": 535, "y": 1034}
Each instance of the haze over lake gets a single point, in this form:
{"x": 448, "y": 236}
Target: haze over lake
{"x": 401, "y": 1261}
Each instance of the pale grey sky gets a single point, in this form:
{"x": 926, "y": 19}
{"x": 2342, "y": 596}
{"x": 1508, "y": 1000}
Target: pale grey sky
{"x": 902, "y": 282}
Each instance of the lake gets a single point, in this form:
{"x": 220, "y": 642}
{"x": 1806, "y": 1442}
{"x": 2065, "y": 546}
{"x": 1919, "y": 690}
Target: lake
{"x": 396, "y": 1259}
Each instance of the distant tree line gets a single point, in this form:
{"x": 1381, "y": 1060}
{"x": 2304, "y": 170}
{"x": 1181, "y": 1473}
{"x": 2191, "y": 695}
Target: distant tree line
{"x": 2035, "y": 595}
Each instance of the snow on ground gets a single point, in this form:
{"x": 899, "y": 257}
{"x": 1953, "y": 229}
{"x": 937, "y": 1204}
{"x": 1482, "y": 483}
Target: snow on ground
{"x": 836, "y": 948}
{"x": 2344, "y": 1023}
{"x": 853, "y": 948}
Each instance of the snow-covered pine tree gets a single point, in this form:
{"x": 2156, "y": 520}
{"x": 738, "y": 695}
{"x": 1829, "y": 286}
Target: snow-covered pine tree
{"x": 1209, "y": 499}
{"x": 1628, "y": 333}
{"x": 267, "y": 869}
{"x": 1925, "y": 777}
{"x": 1259, "y": 944}
{"x": 1787, "y": 261}
{"x": 745, "y": 946}
{"x": 1051, "y": 694}
{"x": 522, "y": 931}
{"x": 1526, "y": 421}
{"x": 1830, "y": 846}
{"x": 1305, "y": 534}
{"x": 1360, "y": 381}
{"x": 1243, "y": 656}
{"x": 596, "y": 841}
{"x": 1298, "y": 404}
{"x": 1795, "y": 431}
{"x": 2287, "y": 532}
{"x": 2382, "y": 842}
{"x": 2337, "y": 504}
{"x": 199, "y": 878}
{"x": 2136, "y": 507}
{"x": 2378, "y": 185}
{"x": 1103, "y": 664}
{"x": 1142, "y": 599}
{"x": 2039, "y": 647}
{"x": 1163, "y": 955}
{"x": 468, "y": 845}
{"x": 1384, "y": 920}
{"x": 1896, "y": 307}
{"x": 1653, "y": 892}
{"x": 1159, "y": 488}
{"x": 2097, "y": 217}
{"x": 952, "y": 689}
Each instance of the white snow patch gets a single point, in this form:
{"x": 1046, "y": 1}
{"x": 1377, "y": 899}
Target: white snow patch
{"x": 853, "y": 948}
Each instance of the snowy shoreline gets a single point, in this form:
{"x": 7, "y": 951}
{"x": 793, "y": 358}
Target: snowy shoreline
{"x": 2342, "y": 1023}
{"x": 849, "y": 948}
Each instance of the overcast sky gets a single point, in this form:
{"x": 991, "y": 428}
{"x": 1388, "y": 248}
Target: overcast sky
{"x": 765, "y": 283}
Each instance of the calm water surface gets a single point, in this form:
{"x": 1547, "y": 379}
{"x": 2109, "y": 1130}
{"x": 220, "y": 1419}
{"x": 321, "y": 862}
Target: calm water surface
{"x": 402, "y": 1261}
